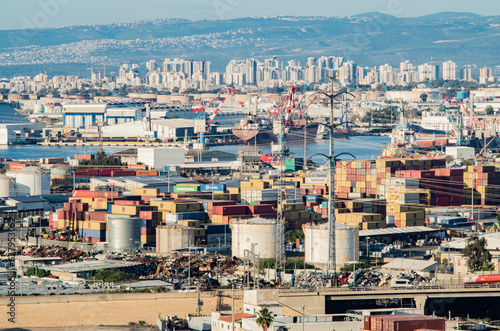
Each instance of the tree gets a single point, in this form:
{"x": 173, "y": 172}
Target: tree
{"x": 489, "y": 110}
{"x": 101, "y": 159}
{"x": 264, "y": 318}
{"x": 476, "y": 253}
{"x": 35, "y": 271}
{"x": 113, "y": 276}
{"x": 423, "y": 97}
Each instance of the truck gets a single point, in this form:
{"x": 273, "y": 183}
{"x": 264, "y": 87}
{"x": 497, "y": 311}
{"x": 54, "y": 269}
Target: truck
{"x": 398, "y": 283}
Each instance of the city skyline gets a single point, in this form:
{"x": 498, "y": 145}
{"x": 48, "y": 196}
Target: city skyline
{"x": 54, "y": 13}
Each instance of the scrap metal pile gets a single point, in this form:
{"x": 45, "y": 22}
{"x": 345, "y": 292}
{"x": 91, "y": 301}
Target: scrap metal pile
{"x": 200, "y": 271}
{"x": 368, "y": 278}
{"x": 312, "y": 280}
{"x": 66, "y": 254}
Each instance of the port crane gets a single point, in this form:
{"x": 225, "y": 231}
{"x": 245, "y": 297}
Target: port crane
{"x": 202, "y": 127}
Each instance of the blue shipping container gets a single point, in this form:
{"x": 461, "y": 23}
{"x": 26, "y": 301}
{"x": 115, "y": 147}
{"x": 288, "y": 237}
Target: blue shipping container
{"x": 93, "y": 233}
{"x": 313, "y": 198}
{"x": 217, "y": 228}
{"x": 146, "y": 223}
{"x": 212, "y": 187}
{"x": 324, "y": 204}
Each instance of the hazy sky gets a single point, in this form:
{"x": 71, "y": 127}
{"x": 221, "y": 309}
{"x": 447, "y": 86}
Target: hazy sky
{"x": 49, "y": 13}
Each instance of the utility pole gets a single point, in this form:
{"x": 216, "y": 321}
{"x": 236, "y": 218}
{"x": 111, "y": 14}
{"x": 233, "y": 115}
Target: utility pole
{"x": 331, "y": 190}
{"x": 232, "y": 306}
{"x": 305, "y": 147}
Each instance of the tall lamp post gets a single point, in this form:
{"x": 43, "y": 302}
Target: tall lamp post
{"x": 331, "y": 188}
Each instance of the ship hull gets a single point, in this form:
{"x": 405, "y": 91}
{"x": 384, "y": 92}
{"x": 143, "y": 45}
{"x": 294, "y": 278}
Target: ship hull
{"x": 267, "y": 136}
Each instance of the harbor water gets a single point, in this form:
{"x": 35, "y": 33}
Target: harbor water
{"x": 362, "y": 147}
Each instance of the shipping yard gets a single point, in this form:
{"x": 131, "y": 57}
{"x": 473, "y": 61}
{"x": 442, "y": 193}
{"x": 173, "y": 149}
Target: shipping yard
{"x": 269, "y": 196}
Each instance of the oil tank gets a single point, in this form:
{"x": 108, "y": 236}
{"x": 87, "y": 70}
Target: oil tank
{"x": 124, "y": 233}
{"x": 7, "y": 187}
{"x": 346, "y": 244}
{"x": 30, "y": 181}
{"x": 61, "y": 176}
{"x": 258, "y": 231}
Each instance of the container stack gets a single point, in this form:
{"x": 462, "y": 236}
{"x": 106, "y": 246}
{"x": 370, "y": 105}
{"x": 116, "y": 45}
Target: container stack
{"x": 93, "y": 228}
{"x": 484, "y": 180}
{"x": 74, "y": 211}
{"x": 403, "y": 322}
{"x": 356, "y": 179}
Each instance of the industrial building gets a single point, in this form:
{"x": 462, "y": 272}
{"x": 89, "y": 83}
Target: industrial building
{"x": 14, "y": 128}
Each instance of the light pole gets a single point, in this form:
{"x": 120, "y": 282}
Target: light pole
{"x": 331, "y": 188}
{"x": 303, "y": 317}
{"x": 367, "y": 251}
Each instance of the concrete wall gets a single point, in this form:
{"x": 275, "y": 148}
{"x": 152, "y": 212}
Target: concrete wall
{"x": 108, "y": 309}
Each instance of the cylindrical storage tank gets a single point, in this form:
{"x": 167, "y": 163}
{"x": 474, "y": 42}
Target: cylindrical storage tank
{"x": 124, "y": 233}
{"x": 7, "y": 187}
{"x": 346, "y": 244}
{"x": 30, "y": 181}
{"x": 61, "y": 176}
{"x": 462, "y": 95}
{"x": 258, "y": 231}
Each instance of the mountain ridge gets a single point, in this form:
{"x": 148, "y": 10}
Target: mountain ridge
{"x": 368, "y": 39}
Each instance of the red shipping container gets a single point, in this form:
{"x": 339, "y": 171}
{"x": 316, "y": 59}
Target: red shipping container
{"x": 483, "y": 169}
{"x": 230, "y": 210}
{"x": 366, "y": 325}
{"x": 96, "y": 216}
{"x": 261, "y": 209}
{"x": 83, "y": 194}
{"x": 16, "y": 166}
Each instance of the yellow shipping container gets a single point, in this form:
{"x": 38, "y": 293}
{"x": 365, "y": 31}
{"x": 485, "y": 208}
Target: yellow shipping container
{"x": 409, "y": 223}
{"x": 412, "y": 216}
{"x": 189, "y": 223}
{"x": 218, "y": 219}
{"x": 148, "y": 239}
{"x": 124, "y": 210}
{"x": 292, "y": 206}
{"x": 146, "y": 191}
{"x": 233, "y": 190}
{"x": 92, "y": 225}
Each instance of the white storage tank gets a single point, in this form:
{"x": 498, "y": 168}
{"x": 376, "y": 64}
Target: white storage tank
{"x": 30, "y": 181}
{"x": 346, "y": 244}
{"x": 258, "y": 231}
{"x": 124, "y": 233}
{"x": 7, "y": 187}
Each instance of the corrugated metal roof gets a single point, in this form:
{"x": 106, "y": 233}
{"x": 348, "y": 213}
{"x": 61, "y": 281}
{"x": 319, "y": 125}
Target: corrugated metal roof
{"x": 9, "y": 115}
{"x": 389, "y": 231}
{"x": 407, "y": 264}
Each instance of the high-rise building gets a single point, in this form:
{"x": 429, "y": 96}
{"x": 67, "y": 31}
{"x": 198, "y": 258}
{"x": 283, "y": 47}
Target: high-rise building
{"x": 449, "y": 70}
{"x": 467, "y": 74}
{"x": 427, "y": 72}
{"x": 485, "y": 75}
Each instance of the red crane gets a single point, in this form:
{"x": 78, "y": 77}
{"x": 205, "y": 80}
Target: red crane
{"x": 231, "y": 91}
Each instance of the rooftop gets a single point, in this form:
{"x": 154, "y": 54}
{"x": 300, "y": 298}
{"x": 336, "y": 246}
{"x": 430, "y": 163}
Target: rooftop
{"x": 90, "y": 266}
{"x": 396, "y": 231}
{"x": 406, "y": 264}
{"x": 237, "y": 317}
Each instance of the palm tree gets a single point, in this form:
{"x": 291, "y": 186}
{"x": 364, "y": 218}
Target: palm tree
{"x": 264, "y": 318}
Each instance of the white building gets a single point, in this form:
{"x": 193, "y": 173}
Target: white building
{"x": 449, "y": 70}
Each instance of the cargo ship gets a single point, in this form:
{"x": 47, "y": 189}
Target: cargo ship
{"x": 259, "y": 131}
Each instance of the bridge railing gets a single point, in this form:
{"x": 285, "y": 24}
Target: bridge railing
{"x": 424, "y": 288}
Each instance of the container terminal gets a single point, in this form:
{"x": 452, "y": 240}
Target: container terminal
{"x": 318, "y": 245}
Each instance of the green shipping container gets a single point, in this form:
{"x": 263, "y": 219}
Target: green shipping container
{"x": 186, "y": 188}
